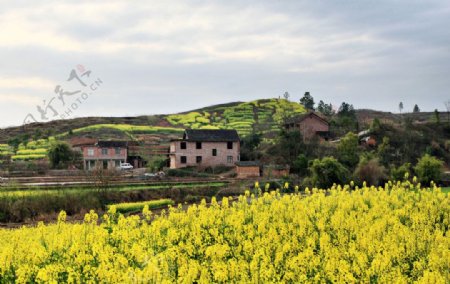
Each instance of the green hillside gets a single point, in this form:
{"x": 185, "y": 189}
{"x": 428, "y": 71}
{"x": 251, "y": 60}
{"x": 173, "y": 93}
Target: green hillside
{"x": 259, "y": 115}
{"x": 263, "y": 116}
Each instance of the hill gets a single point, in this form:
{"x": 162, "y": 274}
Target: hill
{"x": 261, "y": 116}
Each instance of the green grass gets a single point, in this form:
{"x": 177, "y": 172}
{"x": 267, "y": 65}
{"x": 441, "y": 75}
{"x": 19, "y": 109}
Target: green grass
{"x": 12, "y": 192}
{"x": 138, "y": 206}
{"x": 445, "y": 189}
{"x": 131, "y": 128}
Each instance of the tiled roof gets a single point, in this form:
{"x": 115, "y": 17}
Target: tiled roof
{"x": 112, "y": 144}
{"x": 248, "y": 164}
{"x": 301, "y": 117}
{"x": 210, "y": 135}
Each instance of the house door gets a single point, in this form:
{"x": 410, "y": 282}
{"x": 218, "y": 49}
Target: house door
{"x": 105, "y": 165}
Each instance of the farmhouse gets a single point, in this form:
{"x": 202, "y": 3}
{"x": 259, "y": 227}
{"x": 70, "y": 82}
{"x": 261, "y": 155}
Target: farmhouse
{"x": 205, "y": 148}
{"x": 310, "y": 125}
{"x": 102, "y": 154}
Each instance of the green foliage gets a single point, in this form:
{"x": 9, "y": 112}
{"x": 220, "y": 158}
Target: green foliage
{"x": 307, "y": 101}
{"x": 399, "y": 173}
{"x": 385, "y": 152}
{"x": 429, "y": 169}
{"x": 60, "y": 155}
{"x": 156, "y": 162}
{"x": 347, "y": 150}
{"x": 300, "y": 165}
{"x": 327, "y": 171}
{"x": 325, "y": 109}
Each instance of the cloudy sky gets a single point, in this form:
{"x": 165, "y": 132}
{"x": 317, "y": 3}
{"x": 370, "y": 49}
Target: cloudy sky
{"x": 169, "y": 56}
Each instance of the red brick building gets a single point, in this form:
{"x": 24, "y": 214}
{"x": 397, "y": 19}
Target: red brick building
{"x": 248, "y": 169}
{"x": 309, "y": 125}
{"x": 103, "y": 154}
{"x": 205, "y": 148}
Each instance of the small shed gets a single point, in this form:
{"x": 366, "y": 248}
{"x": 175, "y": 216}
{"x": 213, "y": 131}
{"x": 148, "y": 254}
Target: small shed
{"x": 246, "y": 169}
{"x": 276, "y": 171}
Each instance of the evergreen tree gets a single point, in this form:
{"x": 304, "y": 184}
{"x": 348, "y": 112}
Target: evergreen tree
{"x": 307, "y": 101}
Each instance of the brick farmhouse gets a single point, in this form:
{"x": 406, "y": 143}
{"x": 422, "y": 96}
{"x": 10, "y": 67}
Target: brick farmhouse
{"x": 310, "y": 125}
{"x": 101, "y": 154}
{"x": 205, "y": 148}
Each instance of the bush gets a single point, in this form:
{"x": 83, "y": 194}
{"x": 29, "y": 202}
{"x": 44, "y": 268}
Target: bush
{"x": 400, "y": 172}
{"x": 348, "y": 150}
{"x": 370, "y": 171}
{"x": 429, "y": 169}
{"x": 60, "y": 155}
{"x": 326, "y": 172}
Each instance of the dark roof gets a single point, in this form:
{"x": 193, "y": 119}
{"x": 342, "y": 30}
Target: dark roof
{"x": 110, "y": 144}
{"x": 211, "y": 135}
{"x": 248, "y": 164}
{"x": 302, "y": 117}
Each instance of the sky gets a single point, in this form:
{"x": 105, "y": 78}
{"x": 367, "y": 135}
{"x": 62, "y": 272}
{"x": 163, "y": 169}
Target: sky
{"x": 132, "y": 58}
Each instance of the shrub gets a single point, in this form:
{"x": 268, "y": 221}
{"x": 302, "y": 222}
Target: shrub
{"x": 370, "y": 171}
{"x": 429, "y": 169}
{"x": 326, "y": 172}
{"x": 400, "y": 172}
{"x": 348, "y": 150}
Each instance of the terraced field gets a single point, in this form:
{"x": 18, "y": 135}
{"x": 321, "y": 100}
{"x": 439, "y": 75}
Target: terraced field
{"x": 261, "y": 115}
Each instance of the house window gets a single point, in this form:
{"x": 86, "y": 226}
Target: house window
{"x": 183, "y": 145}
{"x": 198, "y": 159}
{"x": 230, "y": 159}
{"x": 117, "y": 151}
{"x": 230, "y": 145}
{"x": 104, "y": 151}
{"x": 198, "y": 145}
{"x": 183, "y": 159}
{"x": 214, "y": 152}
{"x": 117, "y": 163}
{"x": 90, "y": 152}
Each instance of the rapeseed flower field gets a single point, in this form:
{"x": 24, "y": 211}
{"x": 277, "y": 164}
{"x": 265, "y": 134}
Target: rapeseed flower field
{"x": 393, "y": 234}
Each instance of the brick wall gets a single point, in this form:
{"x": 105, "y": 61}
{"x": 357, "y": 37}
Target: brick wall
{"x": 206, "y": 153}
{"x": 310, "y": 125}
{"x": 98, "y": 157}
{"x": 246, "y": 172}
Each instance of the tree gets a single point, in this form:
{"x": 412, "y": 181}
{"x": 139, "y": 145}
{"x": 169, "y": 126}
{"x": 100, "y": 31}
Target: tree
{"x": 416, "y": 109}
{"x": 385, "y": 152}
{"x": 290, "y": 145}
{"x": 156, "y": 162}
{"x": 307, "y": 101}
{"x": 437, "y": 116}
{"x": 346, "y": 110}
{"x": 429, "y": 169}
{"x": 300, "y": 165}
{"x": 348, "y": 150}
{"x": 327, "y": 171}
{"x": 325, "y": 109}
{"x": 400, "y": 107}
{"x": 60, "y": 155}
{"x": 286, "y": 96}
{"x": 370, "y": 171}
